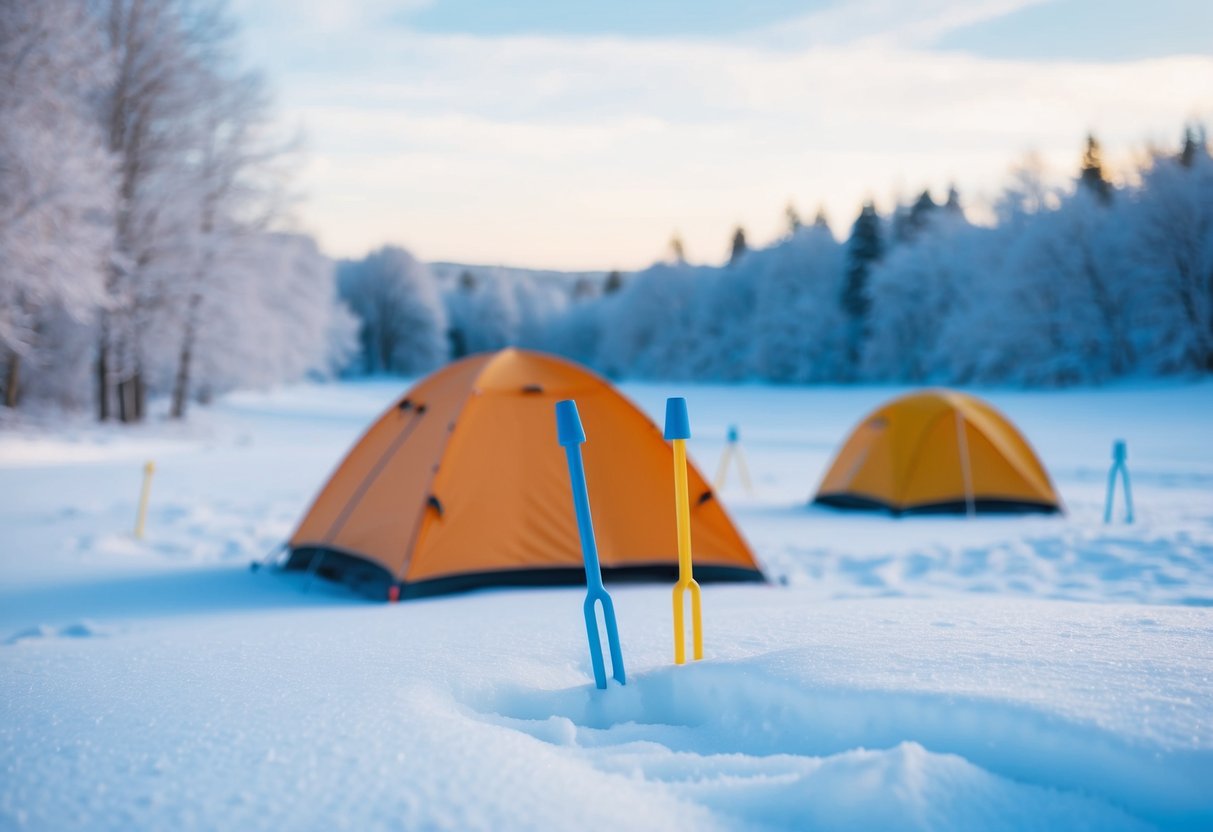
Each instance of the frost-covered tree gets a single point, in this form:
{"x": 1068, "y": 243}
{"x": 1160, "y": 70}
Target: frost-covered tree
{"x": 492, "y": 316}
{"x": 647, "y": 328}
{"x": 798, "y": 333}
{"x": 146, "y": 114}
{"x": 865, "y": 247}
{"x": 236, "y": 184}
{"x": 403, "y": 321}
{"x": 55, "y": 185}
{"x": 1027, "y": 193}
{"x": 575, "y": 332}
{"x": 1055, "y": 313}
{"x": 275, "y": 318}
{"x": 720, "y": 339}
{"x": 1168, "y": 248}
{"x": 197, "y": 184}
{"x": 913, "y": 294}
{"x": 539, "y": 302}
{"x": 492, "y": 309}
{"x": 457, "y": 309}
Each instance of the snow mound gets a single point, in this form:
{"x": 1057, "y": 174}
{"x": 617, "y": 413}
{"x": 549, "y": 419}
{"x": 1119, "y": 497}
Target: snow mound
{"x": 750, "y": 738}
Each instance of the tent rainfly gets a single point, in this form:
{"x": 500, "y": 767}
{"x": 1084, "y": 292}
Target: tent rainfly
{"x": 938, "y": 451}
{"x": 461, "y": 484}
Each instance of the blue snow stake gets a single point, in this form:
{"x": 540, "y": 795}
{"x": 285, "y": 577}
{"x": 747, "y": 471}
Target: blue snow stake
{"x": 1120, "y": 456}
{"x": 570, "y": 435}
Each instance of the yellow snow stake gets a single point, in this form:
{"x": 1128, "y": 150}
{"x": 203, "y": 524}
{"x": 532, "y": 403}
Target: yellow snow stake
{"x": 678, "y": 430}
{"x": 732, "y": 452}
{"x": 149, "y": 468}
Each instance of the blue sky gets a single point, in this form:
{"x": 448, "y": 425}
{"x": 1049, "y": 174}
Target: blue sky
{"x": 568, "y": 135}
{"x": 628, "y": 18}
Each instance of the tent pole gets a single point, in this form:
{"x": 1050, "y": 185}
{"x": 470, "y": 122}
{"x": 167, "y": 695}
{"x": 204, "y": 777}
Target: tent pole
{"x": 962, "y": 444}
{"x": 269, "y": 557}
{"x": 312, "y": 567}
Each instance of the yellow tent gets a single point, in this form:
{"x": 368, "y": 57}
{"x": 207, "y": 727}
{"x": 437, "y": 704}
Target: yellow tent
{"x": 461, "y": 483}
{"x": 938, "y": 451}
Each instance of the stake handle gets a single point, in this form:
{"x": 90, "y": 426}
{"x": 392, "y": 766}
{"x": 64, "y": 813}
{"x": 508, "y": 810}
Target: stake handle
{"x": 568, "y": 424}
{"x": 677, "y": 423}
{"x": 1120, "y": 451}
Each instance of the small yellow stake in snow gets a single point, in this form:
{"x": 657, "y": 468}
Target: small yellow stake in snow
{"x": 732, "y": 451}
{"x": 141, "y": 517}
{"x": 678, "y": 430}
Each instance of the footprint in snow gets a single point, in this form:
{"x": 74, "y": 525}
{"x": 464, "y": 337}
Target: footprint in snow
{"x": 79, "y": 629}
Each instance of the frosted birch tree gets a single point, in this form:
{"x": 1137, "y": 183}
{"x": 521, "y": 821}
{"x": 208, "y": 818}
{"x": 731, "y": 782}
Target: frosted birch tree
{"x": 55, "y": 181}
{"x": 798, "y": 326}
{"x": 1169, "y": 249}
{"x": 403, "y": 323}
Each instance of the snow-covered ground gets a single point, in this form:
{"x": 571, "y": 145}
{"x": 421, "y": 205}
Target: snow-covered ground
{"x": 940, "y": 673}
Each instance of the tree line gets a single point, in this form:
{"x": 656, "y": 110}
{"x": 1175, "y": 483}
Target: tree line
{"x": 1076, "y": 284}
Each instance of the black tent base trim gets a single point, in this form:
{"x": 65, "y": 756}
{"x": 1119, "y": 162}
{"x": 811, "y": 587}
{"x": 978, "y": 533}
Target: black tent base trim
{"x": 372, "y": 580}
{"x": 982, "y": 505}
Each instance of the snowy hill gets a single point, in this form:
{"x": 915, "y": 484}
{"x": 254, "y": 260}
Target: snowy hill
{"x": 448, "y": 275}
{"x": 924, "y": 673}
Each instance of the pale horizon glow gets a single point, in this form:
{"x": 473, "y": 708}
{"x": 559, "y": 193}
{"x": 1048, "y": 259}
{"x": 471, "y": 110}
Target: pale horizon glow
{"x": 578, "y": 146}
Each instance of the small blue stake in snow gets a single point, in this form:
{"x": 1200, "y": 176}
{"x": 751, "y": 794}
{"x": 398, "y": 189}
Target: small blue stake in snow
{"x": 1120, "y": 456}
{"x": 571, "y": 435}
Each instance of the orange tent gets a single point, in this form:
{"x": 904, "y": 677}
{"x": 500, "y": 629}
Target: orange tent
{"x": 461, "y": 483}
{"x": 938, "y": 451}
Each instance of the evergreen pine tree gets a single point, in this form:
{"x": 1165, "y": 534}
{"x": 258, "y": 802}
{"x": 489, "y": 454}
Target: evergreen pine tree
{"x": 899, "y": 225}
{"x": 1092, "y": 173}
{"x": 614, "y": 282}
{"x": 920, "y": 213}
{"x": 793, "y": 218}
{"x": 909, "y": 221}
{"x": 678, "y": 253}
{"x": 583, "y": 288}
{"x": 864, "y": 248}
{"x": 953, "y": 204}
{"x": 739, "y": 247}
{"x": 1194, "y": 145}
{"x": 821, "y": 220}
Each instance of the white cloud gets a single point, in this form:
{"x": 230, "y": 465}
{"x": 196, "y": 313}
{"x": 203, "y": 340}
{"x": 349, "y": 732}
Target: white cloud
{"x": 589, "y": 152}
{"x": 887, "y": 22}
